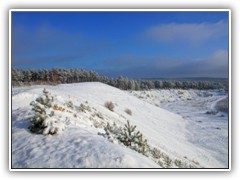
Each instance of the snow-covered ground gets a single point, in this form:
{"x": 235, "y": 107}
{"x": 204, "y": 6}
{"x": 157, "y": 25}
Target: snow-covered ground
{"x": 207, "y": 126}
{"x": 177, "y": 134}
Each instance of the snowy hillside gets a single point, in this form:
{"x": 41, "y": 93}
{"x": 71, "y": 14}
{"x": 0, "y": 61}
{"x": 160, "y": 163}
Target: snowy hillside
{"x": 81, "y": 109}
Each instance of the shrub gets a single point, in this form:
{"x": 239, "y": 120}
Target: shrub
{"x": 99, "y": 115}
{"x": 160, "y": 163}
{"x": 43, "y": 120}
{"x": 168, "y": 161}
{"x": 128, "y": 111}
{"x": 128, "y": 136}
{"x": 156, "y": 153}
{"x": 38, "y": 118}
{"x": 46, "y": 99}
{"x": 109, "y": 105}
{"x": 112, "y": 132}
{"x": 69, "y": 104}
{"x": 180, "y": 164}
{"x": 84, "y": 108}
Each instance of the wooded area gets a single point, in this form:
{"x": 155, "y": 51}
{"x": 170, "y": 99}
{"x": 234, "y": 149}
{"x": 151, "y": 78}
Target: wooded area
{"x": 56, "y": 76}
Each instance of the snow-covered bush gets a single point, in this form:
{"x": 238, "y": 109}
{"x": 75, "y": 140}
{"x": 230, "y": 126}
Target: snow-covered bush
{"x": 44, "y": 120}
{"x": 46, "y": 99}
{"x": 113, "y": 132}
{"x": 109, "y": 105}
{"x": 128, "y": 111}
{"x": 97, "y": 124}
{"x": 181, "y": 164}
{"x": 127, "y": 136}
{"x": 99, "y": 115}
{"x": 84, "y": 108}
{"x": 134, "y": 139}
{"x": 167, "y": 161}
{"x": 156, "y": 153}
{"x": 40, "y": 115}
{"x": 69, "y": 104}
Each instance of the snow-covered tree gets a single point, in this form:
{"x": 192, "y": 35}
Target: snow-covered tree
{"x": 113, "y": 132}
{"x": 38, "y": 118}
{"x": 17, "y": 77}
{"x": 55, "y": 76}
{"x": 128, "y": 136}
{"x": 46, "y": 99}
{"x": 43, "y": 120}
{"x": 134, "y": 139}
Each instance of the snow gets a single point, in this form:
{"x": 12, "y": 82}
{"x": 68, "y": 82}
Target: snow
{"x": 79, "y": 149}
{"x": 81, "y": 145}
{"x": 207, "y": 131}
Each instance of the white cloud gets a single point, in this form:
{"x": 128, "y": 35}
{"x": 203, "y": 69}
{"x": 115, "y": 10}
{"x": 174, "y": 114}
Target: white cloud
{"x": 191, "y": 32}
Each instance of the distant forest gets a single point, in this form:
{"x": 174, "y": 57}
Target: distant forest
{"x": 22, "y": 77}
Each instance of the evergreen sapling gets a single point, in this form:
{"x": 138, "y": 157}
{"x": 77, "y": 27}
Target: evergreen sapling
{"x": 43, "y": 120}
{"x": 128, "y": 136}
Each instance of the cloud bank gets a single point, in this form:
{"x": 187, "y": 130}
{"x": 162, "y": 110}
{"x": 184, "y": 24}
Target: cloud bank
{"x": 216, "y": 65}
{"x": 189, "y": 32}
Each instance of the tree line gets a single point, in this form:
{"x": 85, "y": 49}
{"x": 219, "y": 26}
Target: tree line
{"x": 21, "y": 77}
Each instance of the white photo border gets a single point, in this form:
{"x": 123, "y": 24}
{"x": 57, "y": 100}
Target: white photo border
{"x": 121, "y": 10}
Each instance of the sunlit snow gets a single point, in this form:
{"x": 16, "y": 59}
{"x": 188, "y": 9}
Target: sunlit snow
{"x": 174, "y": 121}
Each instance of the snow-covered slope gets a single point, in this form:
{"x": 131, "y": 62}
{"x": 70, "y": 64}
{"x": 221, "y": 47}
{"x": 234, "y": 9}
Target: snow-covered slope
{"x": 81, "y": 144}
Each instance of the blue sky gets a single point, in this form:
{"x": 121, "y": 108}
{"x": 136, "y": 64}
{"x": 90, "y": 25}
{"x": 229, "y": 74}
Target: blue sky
{"x": 133, "y": 44}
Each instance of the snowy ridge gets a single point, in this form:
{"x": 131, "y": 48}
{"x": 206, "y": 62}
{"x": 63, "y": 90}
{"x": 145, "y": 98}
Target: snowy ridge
{"x": 81, "y": 146}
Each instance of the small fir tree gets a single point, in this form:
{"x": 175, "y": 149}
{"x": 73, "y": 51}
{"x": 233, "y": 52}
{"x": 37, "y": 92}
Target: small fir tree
{"x": 134, "y": 139}
{"x": 168, "y": 161}
{"x": 128, "y": 136}
{"x": 46, "y": 99}
{"x": 43, "y": 121}
{"x": 112, "y": 132}
{"x": 39, "y": 117}
{"x": 69, "y": 104}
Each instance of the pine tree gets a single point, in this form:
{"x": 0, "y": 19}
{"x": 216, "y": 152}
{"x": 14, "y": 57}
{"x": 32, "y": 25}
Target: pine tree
{"x": 40, "y": 114}
{"x": 128, "y": 136}
{"x": 38, "y": 118}
{"x": 46, "y": 99}
{"x": 112, "y": 132}
{"x": 42, "y": 121}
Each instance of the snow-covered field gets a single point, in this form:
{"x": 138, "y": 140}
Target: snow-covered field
{"x": 183, "y": 125}
{"x": 207, "y": 126}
